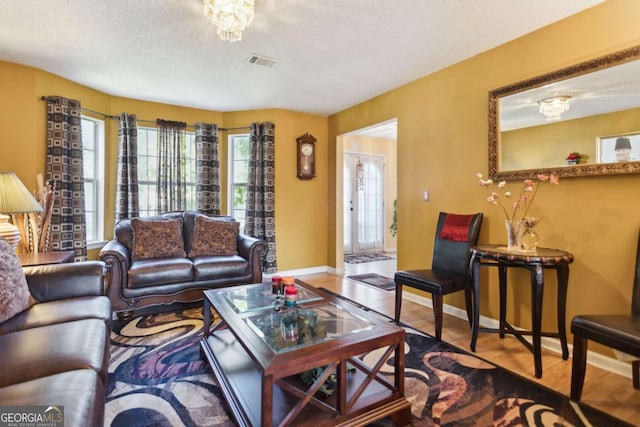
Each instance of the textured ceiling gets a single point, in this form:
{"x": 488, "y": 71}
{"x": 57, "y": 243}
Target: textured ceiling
{"x": 333, "y": 53}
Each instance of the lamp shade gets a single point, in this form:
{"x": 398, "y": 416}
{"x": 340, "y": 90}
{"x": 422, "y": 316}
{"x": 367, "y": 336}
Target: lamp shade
{"x": 14, "y": 196}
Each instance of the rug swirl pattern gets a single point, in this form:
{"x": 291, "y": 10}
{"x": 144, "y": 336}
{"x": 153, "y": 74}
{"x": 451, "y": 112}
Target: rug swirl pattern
{"x": 157, "y": 377}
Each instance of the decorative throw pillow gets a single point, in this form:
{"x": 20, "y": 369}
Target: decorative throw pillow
{"x": 456, "y": 228}
{"x": 157, "y": 238}
{"x": 14, "y": 291}
{"x": 214, "y": 237}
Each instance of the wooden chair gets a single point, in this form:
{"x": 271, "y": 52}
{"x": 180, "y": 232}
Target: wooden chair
{"x": 455, "y": 234}
{"x": 618, "y": 331}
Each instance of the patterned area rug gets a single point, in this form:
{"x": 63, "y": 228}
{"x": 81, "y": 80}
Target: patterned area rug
{"x": 157, "y": 377}
{"x": 360, "y": 258}
{"x": 376, "y": 280}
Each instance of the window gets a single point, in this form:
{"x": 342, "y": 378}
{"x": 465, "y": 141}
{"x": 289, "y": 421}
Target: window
{"x": 93, "y": 161}
{"x": 148, "y": 170}
{"x": 238, "y": 176}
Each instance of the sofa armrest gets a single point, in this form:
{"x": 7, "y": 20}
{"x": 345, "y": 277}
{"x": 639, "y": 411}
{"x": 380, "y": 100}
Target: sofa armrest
{"x": 60, "y": 281}
{"x": 116, "y": 252}
{"x": 116, "y": 257}
{"x": 248, "y": 246}
{"x": 253, "y": 250}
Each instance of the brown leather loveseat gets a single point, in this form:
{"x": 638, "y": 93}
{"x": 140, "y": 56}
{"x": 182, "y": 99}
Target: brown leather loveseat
{"x": 174, "y": 257}
{"x": 57, "y": 351}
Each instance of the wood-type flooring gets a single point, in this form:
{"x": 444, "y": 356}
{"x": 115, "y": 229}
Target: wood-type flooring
{"x": 603, "y": 390}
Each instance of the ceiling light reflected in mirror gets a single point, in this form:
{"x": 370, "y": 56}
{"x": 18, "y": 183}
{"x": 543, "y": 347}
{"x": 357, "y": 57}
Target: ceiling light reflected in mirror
{"x": 553, "y": 108}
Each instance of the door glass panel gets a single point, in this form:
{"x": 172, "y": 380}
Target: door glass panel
{"x": 370, "y": 206}
{"x": 348, "y": 184}
{"x": 363, "y": 203}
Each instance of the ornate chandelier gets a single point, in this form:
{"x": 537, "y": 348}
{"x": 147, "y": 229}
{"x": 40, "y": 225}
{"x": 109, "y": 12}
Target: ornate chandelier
{"x": 231, "y": 17}
{"x": 553, "y": 108}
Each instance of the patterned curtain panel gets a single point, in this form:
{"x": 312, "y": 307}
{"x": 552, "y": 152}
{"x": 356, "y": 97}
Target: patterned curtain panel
{"x": 65, "y": 168}
{"x": 127, "y": 205}
{"x": 260, "y": 216}
{"x": 207, "y": 169}
{"x": 172, "y": 177}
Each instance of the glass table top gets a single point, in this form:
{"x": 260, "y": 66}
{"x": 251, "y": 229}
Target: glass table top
{"x": 300, "y": 327}
{"x": 249, "y": 298}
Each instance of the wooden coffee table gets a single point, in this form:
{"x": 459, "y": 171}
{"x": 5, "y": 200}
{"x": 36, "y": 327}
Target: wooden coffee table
{"x": 257, "y": 355}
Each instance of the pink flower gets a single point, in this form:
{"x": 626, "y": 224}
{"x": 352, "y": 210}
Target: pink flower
{"x": 525, "y": 196}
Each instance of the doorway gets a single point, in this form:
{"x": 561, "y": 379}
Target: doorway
{"x": 364, "y": 186}
{"x": 378, "y": 141}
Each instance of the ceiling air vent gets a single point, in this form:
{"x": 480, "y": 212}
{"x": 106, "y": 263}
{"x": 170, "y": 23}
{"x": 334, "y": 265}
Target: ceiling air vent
{"x": 262, "y": 61}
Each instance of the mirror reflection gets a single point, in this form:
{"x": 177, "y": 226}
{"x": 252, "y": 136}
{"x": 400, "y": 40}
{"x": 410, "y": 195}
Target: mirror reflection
{"x": 582, "y": 120}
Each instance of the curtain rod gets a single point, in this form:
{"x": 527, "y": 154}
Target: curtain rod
{"x": 107, "y": 116}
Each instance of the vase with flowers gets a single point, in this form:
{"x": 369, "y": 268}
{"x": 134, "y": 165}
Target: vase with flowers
{"x": 515, "y": 208}
{"x": 573, "y": 158}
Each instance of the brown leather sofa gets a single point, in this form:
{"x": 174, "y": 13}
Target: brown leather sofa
{"x": 134, "y": 284}
{"x": 57, "y": 351}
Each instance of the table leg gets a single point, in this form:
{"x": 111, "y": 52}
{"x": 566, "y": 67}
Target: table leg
{"x": 502, "y": 280}
{"x": 475, "y": 286}
{"x": 267, "y": 401}
{"x": 396, "y": 314}
{"x": 207, "y": 317}
{"x": 400, "y": 366}
{"x": 563, "y": 281}
{"x": 537, "y": 289}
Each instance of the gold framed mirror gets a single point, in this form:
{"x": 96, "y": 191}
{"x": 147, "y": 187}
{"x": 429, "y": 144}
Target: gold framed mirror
{"x": 569, "y": 122}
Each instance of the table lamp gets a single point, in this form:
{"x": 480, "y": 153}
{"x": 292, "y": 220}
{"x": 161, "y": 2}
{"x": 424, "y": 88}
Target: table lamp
{"x": 14, "y": 198}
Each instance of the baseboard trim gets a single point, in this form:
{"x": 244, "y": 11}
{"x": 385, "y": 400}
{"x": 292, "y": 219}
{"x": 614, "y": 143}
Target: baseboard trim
{"x": 302, "y": 271}
{"x": 336, "y": 271}
{"x": 595, "y": 359}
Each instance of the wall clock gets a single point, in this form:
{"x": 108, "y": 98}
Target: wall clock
{"x": 306, "y": 154}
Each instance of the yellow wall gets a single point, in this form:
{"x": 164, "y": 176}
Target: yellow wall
{"x": 301, "y": 216}
{"x": 23, "y": 116}
{"x": 549, "y": 145}
{"x": 442, "y": 143}
{"x": 301, "y": 226}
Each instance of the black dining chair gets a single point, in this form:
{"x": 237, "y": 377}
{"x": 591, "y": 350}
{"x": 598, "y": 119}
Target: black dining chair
{"x": 618, "y": 331}
{"x": 455, "y": 234}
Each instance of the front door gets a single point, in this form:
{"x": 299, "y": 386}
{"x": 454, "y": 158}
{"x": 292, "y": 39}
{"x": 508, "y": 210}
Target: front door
{"x": 363, "y": 203}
